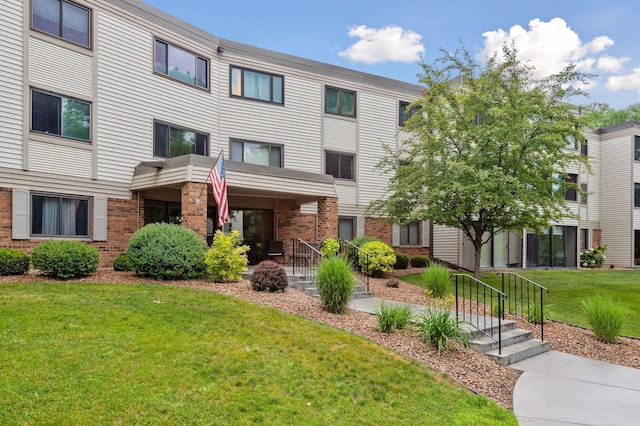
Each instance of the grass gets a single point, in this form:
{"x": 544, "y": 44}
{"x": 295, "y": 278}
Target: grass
{"x": 567, "y": 289}
{"x": 142, "y": 354}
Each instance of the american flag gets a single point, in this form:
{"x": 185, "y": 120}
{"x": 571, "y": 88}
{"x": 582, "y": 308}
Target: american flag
{"x": 218, "y": 179}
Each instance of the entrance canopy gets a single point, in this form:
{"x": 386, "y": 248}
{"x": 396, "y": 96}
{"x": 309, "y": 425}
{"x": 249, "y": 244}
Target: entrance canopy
{"x": 243, "y": 179}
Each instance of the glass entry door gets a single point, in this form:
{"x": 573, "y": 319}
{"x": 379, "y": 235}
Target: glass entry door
{"x": 256, "y": 230}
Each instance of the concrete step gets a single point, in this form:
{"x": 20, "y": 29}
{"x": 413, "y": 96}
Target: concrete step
{"x": 518, "y": 351}
{"x": 484, "y": 343}
{"x": 360, "y": 294}
{"x": 489, "y": 326}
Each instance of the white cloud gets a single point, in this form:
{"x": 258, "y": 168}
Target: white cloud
{"x": 551, "y": 46}
{"x": 388, "y": 44}
{"x": 625, "y": 82}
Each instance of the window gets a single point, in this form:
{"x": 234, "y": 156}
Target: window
{"x": 181, "y": 65}
{"x": 346, "y": 228}
{"x": 340, "y": 101}
{"x": 257, "y": 85}
{"x": 61, "y": 116}
{"x": 636, "y": 195}
{"x": 171, "y": 141}
{"x": 637, "y": 148}
{"x": 583, "y": 196}
{"x": 340, "y": 166}
{"x": 161, "y": 211}
{"x": 256, "y": 153}
{"x": 571, "y": 194}
{"x": 59, "y": 216}
{"x": 410, "y": 234}
{"x": 584, "y": 239}
{"x": 404, "y": 115}
{"x": 63, "y": 19}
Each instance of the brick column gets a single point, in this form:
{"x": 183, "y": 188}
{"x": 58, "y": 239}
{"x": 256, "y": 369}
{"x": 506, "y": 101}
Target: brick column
{"x": 194, "y": 207}
{"x": 327, "y": 218}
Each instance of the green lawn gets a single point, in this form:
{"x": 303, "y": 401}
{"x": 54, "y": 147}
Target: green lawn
{"x": 567, "y": 289}
{"x": 143, "y": 354}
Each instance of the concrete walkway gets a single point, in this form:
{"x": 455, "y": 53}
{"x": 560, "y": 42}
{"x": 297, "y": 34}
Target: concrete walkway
{"x": 556, "y": 388}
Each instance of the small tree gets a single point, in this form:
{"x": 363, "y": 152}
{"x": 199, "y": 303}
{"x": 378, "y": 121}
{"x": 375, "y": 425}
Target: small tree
{"x": 226, "y": 259}
{"x": 487, "y": 145}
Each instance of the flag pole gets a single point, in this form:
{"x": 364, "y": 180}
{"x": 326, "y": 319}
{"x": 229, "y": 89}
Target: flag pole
{"x": 209, "y": 174}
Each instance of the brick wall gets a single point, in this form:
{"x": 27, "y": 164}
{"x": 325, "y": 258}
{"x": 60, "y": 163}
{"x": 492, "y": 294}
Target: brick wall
{"x": 327, "y": 218}
{"x": 382, "y": 230}
{"x": 194, "y": 207}
{"x": 290, "y": 223}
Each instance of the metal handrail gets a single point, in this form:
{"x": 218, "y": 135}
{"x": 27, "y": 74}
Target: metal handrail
{"x": 524, "y": 290}
{"x": 305, "y": 258}
{"x": 483, "y": 293}
{"x": 363, "y": 276}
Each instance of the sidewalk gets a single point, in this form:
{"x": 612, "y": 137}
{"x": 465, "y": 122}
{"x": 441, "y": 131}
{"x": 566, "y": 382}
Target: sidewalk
{"x": 556, "y": 388}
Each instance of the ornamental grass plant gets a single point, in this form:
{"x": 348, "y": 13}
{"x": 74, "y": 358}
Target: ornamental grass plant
{"x": 335, "y": 281}
{"x": 606, "y": 316}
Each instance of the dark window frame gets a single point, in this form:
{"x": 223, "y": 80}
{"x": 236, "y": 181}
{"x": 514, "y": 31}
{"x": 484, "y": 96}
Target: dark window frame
{"x": 341, "y": 92}
{"x": 584, "y": 239}
{"x": 165, "y": 71}
{"x": 60, "y": 32}
{"x": 243, "y": 95}
{"x": 167, "y": 151}
{"x": 636, "y": 155}
{"x": 403, "y": 114}
{"x": 59, "y": 132}
{"x": 636, "y": 194}
{"x": 354, "y": 230}
{"x": 340, "y": 169}
{"x": 59, "y": 197}
{"x": 270, "y": 145}
{"x": 571, "y": 194}
{"x": 405, "y": 234}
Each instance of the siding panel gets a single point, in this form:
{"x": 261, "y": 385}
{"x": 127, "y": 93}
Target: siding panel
{"x": 59, "y": 159}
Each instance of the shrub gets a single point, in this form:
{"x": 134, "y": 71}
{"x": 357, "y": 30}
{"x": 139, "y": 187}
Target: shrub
{"x": 13, "y": 262}
{"x": 167, "y": 252}
{"x": 352, "y": 252}
{"x": 269, "y": 276}
{"x": 419, "y": 261}
{"x": 440, "y": 329}
{"x": 376, "y": 258}
{"x": 65, "y": 259}
{"x": 402, "y": 261}
{"x": 121, "y": 262}
{"x": 534, "y": 315}
{"x": 227, "y": 258}
{"x": 393, "y": 316}
{"x": 330, "y": 247}
{"x": 593, "y": 258}
{"x": 437, "y": 278}
{"x": 335, "y": 281}
{"x": 606, "y": 316}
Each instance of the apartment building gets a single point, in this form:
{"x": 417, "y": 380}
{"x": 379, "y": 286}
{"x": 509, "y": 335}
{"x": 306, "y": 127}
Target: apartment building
{"x": 113, "y": 113}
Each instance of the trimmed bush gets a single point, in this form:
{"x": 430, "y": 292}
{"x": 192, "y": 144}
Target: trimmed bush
{"x": 167, "y": 252}
{"x": 606, "y": 316}
{"x": 402, "y": 261}
{"x": 593, "y": 258}
{"x": 227, "y": 257}
{"x": 376, "y": 258}
{"x": 269, "y": 276}
{"x": 437, "y": 278}
{"x": 330, "y": 247}
{"x": 352, "y": 252}
{"x": 121, "y": 262}
{"x": 13, "y": 262}
{"x": 419, "y": 261}
{"x": 65, "y": 259}
{"x": 335, "y": 281}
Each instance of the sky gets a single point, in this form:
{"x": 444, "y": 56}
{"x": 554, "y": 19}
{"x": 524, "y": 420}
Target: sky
{"x": 391, "y": 38}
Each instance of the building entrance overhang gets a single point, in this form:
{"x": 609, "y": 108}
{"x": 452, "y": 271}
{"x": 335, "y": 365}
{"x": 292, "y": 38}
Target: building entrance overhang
{"x": 243, "y": 179}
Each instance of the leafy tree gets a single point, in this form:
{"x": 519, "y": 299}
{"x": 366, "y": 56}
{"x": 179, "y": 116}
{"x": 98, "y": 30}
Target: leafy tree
{"x": 486, "y": 148}
{"x": 599, "y": 114}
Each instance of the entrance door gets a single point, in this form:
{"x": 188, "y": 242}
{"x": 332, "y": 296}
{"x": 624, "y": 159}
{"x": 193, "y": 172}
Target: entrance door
{"x": 555, "y": 248}
{"x": 256, "y": 230}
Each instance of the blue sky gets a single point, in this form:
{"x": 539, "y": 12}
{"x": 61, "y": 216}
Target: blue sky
{"x": 388, "y": 38}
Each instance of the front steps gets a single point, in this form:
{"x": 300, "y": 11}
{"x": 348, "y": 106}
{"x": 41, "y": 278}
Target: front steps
{"x": 517, "y": 344}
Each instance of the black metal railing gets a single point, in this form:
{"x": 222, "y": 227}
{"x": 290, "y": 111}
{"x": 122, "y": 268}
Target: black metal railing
{"x": 476, "y": 303}
{"x": 305, "y": 258}
{"x": 525, "y": 299}
{"x": 352, "y": 253}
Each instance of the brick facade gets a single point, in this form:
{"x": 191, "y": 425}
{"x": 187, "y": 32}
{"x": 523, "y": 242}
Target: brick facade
{"x": 383, "y": 230}
{"x": 327, "y": 218}
{"x": 290, "y": 224}
{"x": 194, "y": 207}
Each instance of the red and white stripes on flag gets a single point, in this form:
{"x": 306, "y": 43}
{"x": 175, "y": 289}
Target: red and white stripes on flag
{"x": 218, "y": 179}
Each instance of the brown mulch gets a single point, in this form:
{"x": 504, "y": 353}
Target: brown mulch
{"x": 469, "y": 368}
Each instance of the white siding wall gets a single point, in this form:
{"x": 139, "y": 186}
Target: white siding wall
{"x": 131, "y": 96}
{"x": 297, "y": 125}
{"x": 11, "y": 83}
{"x": 340, "y": 135}
{"x": 593, "y": 180}
{"x": 447, "y": 244}
{"x": 59, "y": 159}
{"x": 60, "y": 68}
{"x": 616, "y": 196}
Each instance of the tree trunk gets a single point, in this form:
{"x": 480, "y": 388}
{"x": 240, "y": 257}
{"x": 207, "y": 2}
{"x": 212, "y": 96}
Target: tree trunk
{"x": 477, "y": 245}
